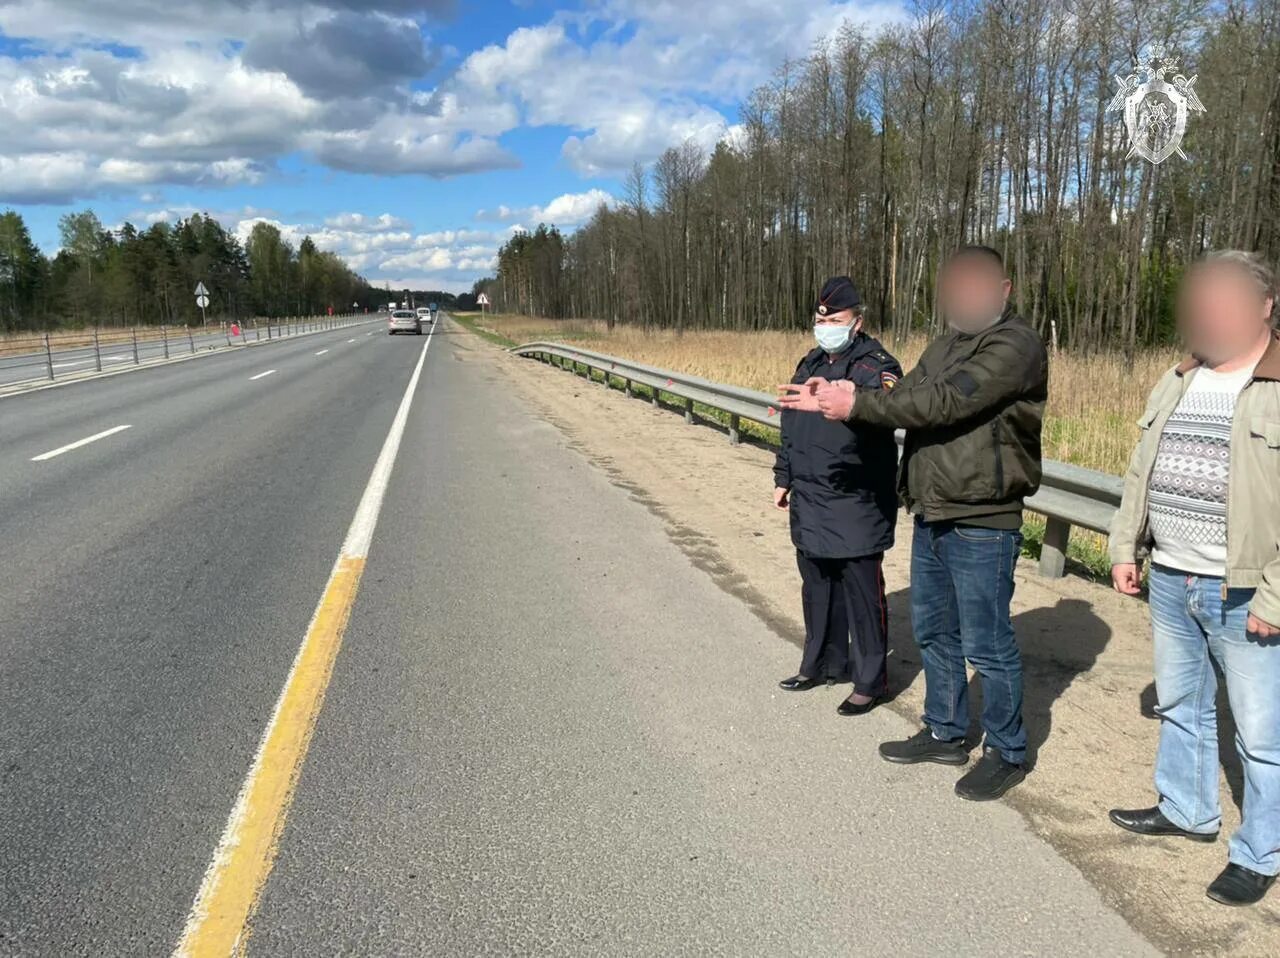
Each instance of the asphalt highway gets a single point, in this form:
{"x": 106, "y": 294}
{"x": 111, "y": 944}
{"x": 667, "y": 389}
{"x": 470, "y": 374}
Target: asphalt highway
{"x": 544, "y": 732}
{"x": 27, "y": 365}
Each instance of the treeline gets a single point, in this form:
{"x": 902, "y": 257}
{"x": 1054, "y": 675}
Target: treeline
{"x": 128, "y": 276}
{"x": 977, "y": 122}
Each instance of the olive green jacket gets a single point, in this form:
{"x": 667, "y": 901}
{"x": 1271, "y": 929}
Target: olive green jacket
{"x": 1253, "y": 483}
{"x": 972, "y": 409}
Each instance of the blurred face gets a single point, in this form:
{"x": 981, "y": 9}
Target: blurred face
{"x": 972, "y": 291}
{"x": 1221, "y": 313}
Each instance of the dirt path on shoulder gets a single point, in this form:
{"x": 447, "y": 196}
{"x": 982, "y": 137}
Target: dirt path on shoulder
{"x": 1089, "y": 690}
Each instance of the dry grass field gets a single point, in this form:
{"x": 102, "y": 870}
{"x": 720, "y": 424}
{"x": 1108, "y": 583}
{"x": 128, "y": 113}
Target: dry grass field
{"x": 1093, "y": 403}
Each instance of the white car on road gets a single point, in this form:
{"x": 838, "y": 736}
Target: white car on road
{"x": 404, "y": 321}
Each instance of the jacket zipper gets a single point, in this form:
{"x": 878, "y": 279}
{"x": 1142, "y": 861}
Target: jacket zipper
{"x": 995, "y": 440}
{"x": 1226, "y": 512}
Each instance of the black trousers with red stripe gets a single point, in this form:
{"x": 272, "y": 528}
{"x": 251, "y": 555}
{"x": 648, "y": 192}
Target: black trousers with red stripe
{"x": 846, "y": 621}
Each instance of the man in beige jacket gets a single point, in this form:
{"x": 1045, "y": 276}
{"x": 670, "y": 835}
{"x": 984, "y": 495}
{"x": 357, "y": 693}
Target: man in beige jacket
{"x": 1202, "y": 499}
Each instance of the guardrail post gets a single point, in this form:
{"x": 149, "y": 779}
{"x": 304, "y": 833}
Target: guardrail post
{"x": 164, "y": 334}
{"x": 226, "y": 332}
{"x": 688, "y": 411}
{"x": 97, "y": 351}
{"x": 1053, "y": 554}
{"x": 654, "y": 398}
{"x": 48, "y": 356}
{"x": 191, "y": 341}
{"x": 626, "y": 388}
{"x": 134, "y": 331}
{"x": 734, "y": 423}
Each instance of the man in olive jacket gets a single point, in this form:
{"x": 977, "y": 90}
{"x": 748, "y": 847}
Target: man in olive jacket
{"x": 972, "y": 409}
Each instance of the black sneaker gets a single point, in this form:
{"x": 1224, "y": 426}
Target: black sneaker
{"x": 990, "y": 777}
{"x": 923, "y": 747}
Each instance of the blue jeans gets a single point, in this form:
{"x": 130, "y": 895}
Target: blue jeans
{"x": 1193, "y": 627}
{"x": 961, "y": 586}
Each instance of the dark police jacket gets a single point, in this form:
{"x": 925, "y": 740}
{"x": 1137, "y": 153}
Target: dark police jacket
{"x": 841, "y": 475}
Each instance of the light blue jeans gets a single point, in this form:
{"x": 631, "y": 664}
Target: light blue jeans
{"x": 1191, "y": 623}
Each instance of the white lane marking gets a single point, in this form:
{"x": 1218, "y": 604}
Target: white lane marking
{"x": 366, "y": 517}
{"x": 351, "y": 340}
{"x": 356, "y": 547}
{"x": 113, "y": 359}
{"x": 322, "y": 352}
{"x": 78, "y": 362}
{"x": 79, "y": 442}
{"x": 260, "y": 375}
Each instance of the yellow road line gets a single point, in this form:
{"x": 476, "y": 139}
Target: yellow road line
{"x": 220, "y": 917}
{"x": 218, "y": 924}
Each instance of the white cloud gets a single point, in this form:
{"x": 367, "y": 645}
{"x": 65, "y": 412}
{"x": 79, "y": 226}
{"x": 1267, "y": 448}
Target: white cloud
{"x": 387, "y": 254}
{"x": 568, "y": 209}
{"x": 359, "y": 222}
{"x": 139, "y": 92}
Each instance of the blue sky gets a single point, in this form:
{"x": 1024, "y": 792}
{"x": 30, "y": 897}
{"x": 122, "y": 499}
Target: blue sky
{"x": 409, "y": 136}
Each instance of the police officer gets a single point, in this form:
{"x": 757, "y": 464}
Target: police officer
{"x": 838, "y": 481}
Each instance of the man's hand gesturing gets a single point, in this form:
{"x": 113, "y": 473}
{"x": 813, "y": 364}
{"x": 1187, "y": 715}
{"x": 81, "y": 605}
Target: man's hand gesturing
{"x": 835, "y": 400}
{"x": 803, "y": 397}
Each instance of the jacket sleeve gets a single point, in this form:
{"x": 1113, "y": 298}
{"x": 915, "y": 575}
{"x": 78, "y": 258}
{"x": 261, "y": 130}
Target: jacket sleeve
{"x": 1266, "y": 601}
{"x": 782, "y": 462}
{"x": 1011, "y": 364}
{"x": 1126, "y": 524}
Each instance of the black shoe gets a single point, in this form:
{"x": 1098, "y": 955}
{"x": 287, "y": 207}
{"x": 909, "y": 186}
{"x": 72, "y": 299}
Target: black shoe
{"x": 990, "y": 777}
{"x": 848, "y": 707}
{"x": 798, "y": 683}
{"x": 923, "y": 747}
{"x": 1238, "y": 885}
{"x": 1152, "y": 821}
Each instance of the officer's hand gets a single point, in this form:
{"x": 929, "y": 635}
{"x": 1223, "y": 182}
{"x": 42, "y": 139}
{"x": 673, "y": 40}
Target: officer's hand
{"x": 1263, "y": 630}
{"x": 1125, "y": 578}
{"x": 802, "y": 397}
{"x": 781, "y": 498}
{"x": 835, "y": 400}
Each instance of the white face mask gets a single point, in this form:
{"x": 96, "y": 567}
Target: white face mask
{"x": 832, "y": 338}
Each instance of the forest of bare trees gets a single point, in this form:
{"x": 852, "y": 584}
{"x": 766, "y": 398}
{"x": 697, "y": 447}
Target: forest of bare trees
{"x": 979, "y": 122}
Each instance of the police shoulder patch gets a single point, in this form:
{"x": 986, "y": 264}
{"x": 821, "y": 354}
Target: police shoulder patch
{"x": 888, "y": 380}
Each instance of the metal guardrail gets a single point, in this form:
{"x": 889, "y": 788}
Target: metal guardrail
{"x": 1068, "y": 495}
{"x": 37, "y": 357}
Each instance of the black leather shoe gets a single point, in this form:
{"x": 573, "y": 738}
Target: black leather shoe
{"x": 1238, "y": 885}
{"x": 923, "y": 747}
{"x": 798, "y": 683}
{"x": 848, "y": 707}
{"x": 1152, "y": 821}
{"x": 990, "y": 777}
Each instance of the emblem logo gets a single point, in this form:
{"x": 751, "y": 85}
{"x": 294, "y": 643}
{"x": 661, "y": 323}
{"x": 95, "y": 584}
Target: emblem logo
{"x": 1155, "y": 109}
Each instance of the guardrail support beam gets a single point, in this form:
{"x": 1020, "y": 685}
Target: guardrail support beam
{"x": 735, "y": 423}
{"x": 1053, "y": 554}
{"x": 688, "y": 411}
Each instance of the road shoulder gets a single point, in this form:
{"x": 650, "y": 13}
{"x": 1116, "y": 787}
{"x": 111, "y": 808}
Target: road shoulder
{"x": 1089, "y": 689}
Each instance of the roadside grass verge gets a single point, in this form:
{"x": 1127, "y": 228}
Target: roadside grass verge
{"x": 1090, "y": 423}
